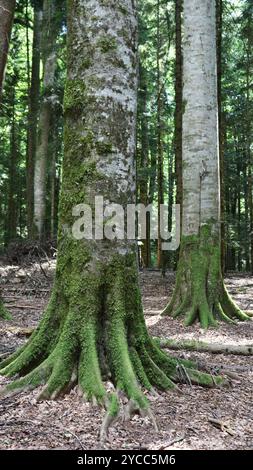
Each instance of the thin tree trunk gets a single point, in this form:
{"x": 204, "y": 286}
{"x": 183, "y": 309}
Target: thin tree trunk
{"x": 238, "y": 217}
{"x": 159, "y": 139}
{"x": 50, "y": 31}
{"x": 34, "y": 95}
{"x": 11, "y": 233}
{"x": 144, "y": 164}
{"x": 179, "y": 103}
{"x": 52, "y": 181}
{"x": 7, "y": 8}
{"x": 248, "y": 149}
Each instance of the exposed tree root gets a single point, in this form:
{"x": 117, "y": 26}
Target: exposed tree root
{"x": 92, "y": 332}
{"x": 200, "y": 293}
{"x": 202, "y": 346}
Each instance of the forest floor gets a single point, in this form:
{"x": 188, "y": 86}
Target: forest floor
{"x": 185, "y": 421}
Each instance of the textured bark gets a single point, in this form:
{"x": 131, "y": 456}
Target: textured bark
{"x": 34, "y": 95}
{"x": 200, "y": 292}
{"x": 49, "y": 35}
{"x": 7, "y": 8}
{"x": 93, "y": 329}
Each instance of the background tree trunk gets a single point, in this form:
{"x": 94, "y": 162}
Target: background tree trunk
{"x": 34, "y": 97}
{"x": 7, "y": 9}
{"x": 179, "y": 103}
{"x": 49, "y": 35}
{"x": 11, "y": 232}
{"x": 160, "y": 195}
{"x": 200, "y": 292}
{"x": 219, "y": 7}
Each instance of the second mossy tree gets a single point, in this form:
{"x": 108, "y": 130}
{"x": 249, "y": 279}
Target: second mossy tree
{"x": 93, "y": 329}
{"x": 200, "y": 293}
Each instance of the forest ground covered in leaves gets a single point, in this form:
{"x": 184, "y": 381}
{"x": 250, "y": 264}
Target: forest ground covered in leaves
{"x": 196, "y": 419}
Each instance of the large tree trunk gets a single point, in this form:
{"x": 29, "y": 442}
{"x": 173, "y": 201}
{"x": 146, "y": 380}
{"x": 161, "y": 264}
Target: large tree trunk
{"x": 50, "y": 31}
{"x": 200, "y": 292}
{"x": 7, "y": 8}
{"x": 93, "y": 329}
{"x": 34, "y": 96}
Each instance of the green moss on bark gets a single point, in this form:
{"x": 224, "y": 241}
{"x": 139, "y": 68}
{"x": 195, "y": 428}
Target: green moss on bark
{"x": 200, "y": 293}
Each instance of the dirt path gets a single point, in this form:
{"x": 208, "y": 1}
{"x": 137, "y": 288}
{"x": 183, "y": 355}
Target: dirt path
{"x": 192, "y": 417}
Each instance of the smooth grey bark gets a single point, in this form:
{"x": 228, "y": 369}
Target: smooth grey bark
{"x": 201, "y": 187}
{"x": 200, "y": 292}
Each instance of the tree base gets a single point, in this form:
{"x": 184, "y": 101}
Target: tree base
{"x": 200, "y": 293}
{"x": 97, "y": 333}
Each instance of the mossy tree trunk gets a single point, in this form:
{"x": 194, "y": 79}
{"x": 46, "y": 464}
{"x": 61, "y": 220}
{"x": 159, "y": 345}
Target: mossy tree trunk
{"x": 200, "y": 293}
{"x": 93, "y": 330}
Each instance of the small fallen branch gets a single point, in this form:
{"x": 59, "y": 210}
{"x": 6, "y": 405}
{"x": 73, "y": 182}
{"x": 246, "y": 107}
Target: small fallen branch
{"x": 166, "y": 445}
{"x": 18, "y": 331}
{"x": 201, "y": 346}
{"x": 28, "y": 307}
{"x": 222, "y": 426}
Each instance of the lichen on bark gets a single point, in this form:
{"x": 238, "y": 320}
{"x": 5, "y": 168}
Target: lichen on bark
{"x": 200, "y": 293}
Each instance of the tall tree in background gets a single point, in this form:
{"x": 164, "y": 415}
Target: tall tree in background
{"x": 179, "y": 102}
{"x": 92, "y": 328}
{"x": 247, "y": 36}
{"x": 49, "y": 56}
{"x": 219, "y": 10}
{"x": 143, "y": 170}
{"x": 200, "y": 292}
{"x": 34, "y": 98}
{"x": 7, "y": 8}
{"x": 160, "y": 176}
{"x": 12, "y": 219}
